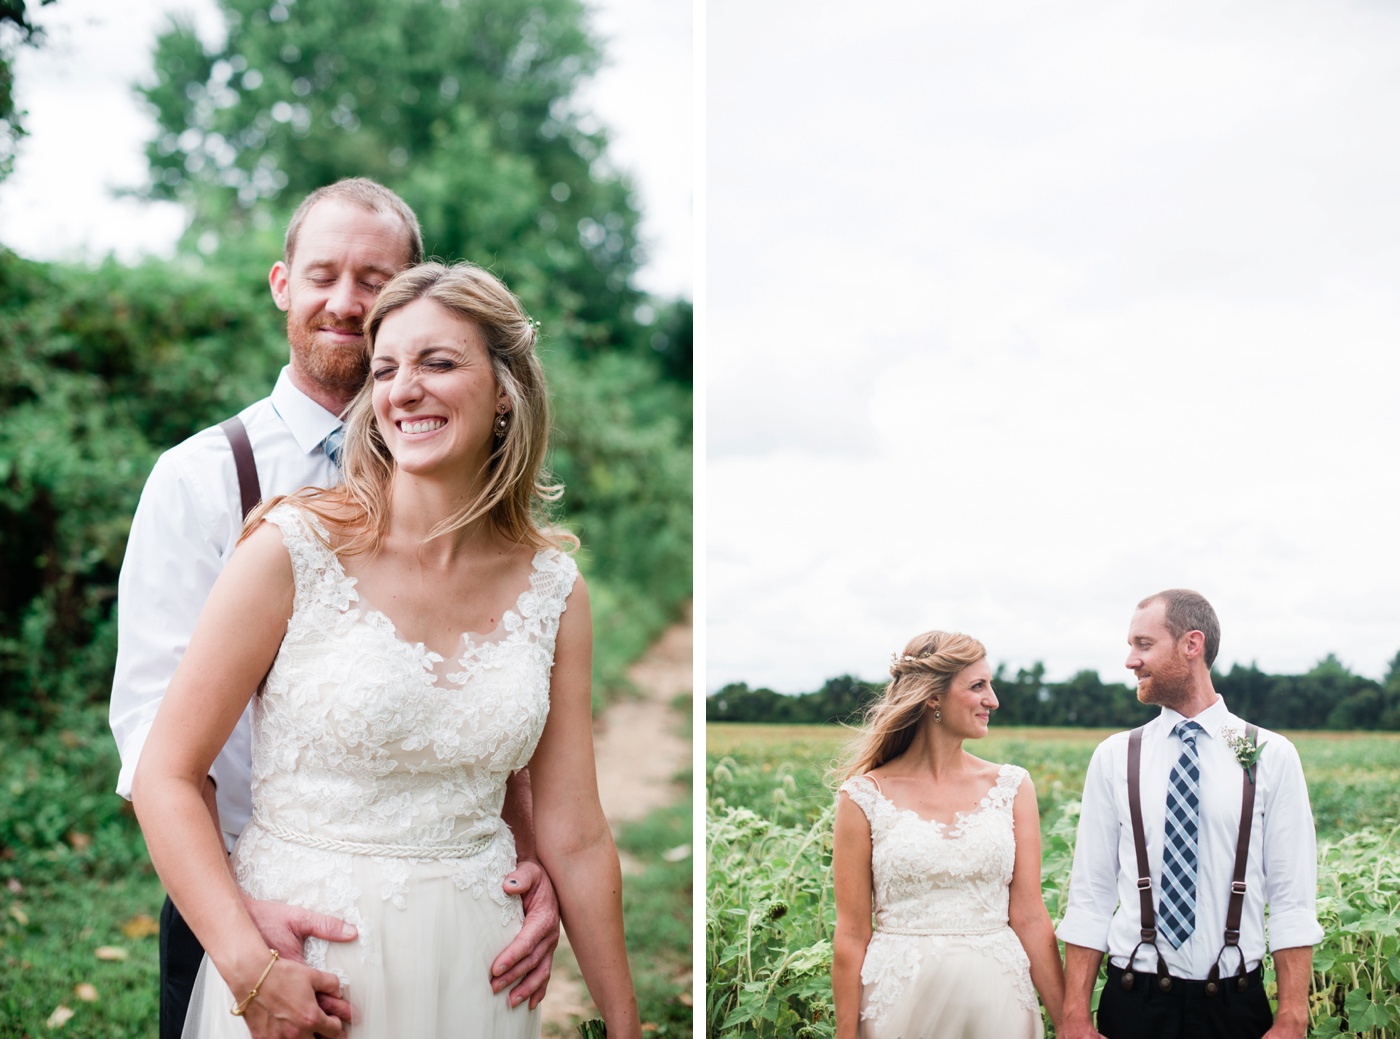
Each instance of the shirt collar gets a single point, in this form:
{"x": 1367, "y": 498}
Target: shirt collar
{"x": 308, "y": 421}
{"x": 1214, "y": 718}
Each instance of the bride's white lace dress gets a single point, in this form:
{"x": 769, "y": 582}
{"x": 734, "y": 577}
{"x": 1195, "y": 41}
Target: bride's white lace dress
{"x": 379, "y": 772}
{"x": 943, "y": 962}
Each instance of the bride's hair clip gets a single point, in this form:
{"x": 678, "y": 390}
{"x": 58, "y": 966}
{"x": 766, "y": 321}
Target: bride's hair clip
{"x": 896, "y": 659}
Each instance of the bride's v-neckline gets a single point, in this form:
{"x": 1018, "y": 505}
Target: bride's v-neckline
{"x": 960, "y": 819}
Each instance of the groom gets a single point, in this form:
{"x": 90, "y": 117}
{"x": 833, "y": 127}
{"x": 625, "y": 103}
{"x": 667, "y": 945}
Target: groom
{"x": 343, "y": 243}
{"x": 1201, "y": 903}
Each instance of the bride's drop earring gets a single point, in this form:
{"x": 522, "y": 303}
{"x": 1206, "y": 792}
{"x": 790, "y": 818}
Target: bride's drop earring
{"x": 937, "y": 712}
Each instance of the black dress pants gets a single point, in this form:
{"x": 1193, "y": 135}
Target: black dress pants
{"x": 180, "y": 956}
{"x": 1186, "y": 1012}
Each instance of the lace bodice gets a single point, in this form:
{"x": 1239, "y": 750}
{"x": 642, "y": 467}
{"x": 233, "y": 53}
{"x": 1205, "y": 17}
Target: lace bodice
{"x": 362, "y": 743}
{"x": 930, "y": 877}
{"x": 936, "y": 881}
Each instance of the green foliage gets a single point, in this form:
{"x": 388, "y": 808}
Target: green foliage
{"x": 769, "y": 914}
{"x": 1356, "y": 971}
{"x": 99, "y": 369}
{"x": 768, "y": 924}
{"x": 622, "y": 451}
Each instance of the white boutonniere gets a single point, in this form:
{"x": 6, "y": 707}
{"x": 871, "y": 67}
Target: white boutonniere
{"x": 1246, "y": 750}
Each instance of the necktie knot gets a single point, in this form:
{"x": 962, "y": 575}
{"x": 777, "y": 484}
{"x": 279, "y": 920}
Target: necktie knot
{"x": 1188, "y": 731}
{"x": 334, "y": 445}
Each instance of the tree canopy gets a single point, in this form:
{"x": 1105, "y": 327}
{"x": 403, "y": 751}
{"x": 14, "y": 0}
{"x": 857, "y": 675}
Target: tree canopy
{"x": 1329, "y": 696}
{"x": 465, "y": 107}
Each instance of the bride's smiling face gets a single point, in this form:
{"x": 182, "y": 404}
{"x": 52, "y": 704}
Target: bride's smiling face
{"x": 435, "y": 394}
{"x": 969, "y": 701}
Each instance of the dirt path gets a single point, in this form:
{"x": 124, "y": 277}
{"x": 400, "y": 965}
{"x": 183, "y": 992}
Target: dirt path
{"x": 639, "y": 749}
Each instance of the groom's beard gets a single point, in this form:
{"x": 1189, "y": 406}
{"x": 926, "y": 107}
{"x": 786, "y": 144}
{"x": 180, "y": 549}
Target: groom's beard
{"x": 334, "y": 367}
{"x": 1169, "y": 685}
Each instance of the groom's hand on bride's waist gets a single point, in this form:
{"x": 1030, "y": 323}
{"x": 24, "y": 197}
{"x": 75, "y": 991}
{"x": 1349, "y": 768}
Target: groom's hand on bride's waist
{"x": 525, "y": 963}
{"x": 285, "y": 928}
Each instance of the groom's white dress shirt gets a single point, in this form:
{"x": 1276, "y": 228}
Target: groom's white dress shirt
{"x": 187, "y": 523}
{"x": 1104, "y": 907}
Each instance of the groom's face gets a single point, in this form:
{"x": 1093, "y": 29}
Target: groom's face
{"x": 1157, "y": 659}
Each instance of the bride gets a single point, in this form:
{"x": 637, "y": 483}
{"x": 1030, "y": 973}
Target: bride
{"x": 415, "y": 636}
{"x": 946, "y": 847}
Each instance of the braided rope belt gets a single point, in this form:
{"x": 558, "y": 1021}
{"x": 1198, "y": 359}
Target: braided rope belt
{"x": 943, "y": 932}
{"x": 393, "y": 851}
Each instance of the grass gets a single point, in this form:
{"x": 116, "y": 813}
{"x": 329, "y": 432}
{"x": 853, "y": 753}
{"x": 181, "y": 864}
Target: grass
{"x": 73, "y": 874}
{"x": 657, "y": 905}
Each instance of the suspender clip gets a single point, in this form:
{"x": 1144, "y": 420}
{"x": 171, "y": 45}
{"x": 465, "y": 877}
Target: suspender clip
{"x": 1144, "y": 883}
{"x": 1237, "y": 887}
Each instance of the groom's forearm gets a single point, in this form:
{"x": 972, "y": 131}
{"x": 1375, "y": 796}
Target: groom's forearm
{"x": 1081, "y": 971}
{"x": 518, "y": 811}
{"x": 1293, "y": 968}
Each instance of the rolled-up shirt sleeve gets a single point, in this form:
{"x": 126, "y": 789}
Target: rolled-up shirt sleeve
{"x": 1290, "y": 850}
{"x": 1093, "y": 882}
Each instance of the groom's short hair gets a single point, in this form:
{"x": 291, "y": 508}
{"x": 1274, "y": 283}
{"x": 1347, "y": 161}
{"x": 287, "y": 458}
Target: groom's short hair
{"x": 367, "y": 194}
{"x": 1189, "y": 611}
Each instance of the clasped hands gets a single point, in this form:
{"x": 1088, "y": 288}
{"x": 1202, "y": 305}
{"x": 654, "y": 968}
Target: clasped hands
{"x": 281, "y": 1010}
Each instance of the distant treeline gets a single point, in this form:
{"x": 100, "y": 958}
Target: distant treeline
{"x": 1327, "y": 697}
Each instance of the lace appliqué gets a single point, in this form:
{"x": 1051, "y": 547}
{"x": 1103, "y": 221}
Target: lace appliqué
{"x": 935, "y": 883}
{"x": 357, "y": 739}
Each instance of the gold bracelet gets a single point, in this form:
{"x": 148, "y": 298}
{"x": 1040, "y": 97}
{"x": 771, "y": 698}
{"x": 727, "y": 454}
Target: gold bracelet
{"x": 237, "y": 1009}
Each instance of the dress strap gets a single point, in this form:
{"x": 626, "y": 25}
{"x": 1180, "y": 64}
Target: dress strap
{"x": 552, "y": 577}
{"x": 865, "y": 792}
{"x": 1009, "y": 779}
{"x": 316, "y": 569}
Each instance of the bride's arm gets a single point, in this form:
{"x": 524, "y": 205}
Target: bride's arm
{"x": 572, "y": 838}
{"x": 233, "y": 645}
{"x": 1029, "y": 917}
{"x": 850, "y": 862}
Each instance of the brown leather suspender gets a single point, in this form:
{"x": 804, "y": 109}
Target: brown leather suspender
{"x": 1234, "y": 911}
{"x": 1148, "y": 934}
{"x": 249, "y": 491}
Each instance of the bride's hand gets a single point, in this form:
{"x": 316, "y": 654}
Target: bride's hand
{"x": 285, "y": 928}
{"x": 287, "y": 1005}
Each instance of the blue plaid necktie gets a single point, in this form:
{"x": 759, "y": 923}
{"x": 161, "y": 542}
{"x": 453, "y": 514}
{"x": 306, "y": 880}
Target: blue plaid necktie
{"x": 334, "y": 445}
{"x": 1180, "y": 849}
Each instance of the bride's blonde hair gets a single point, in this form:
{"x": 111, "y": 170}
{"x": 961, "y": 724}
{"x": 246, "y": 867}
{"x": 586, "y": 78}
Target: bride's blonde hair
{"x": 924, "y": 670}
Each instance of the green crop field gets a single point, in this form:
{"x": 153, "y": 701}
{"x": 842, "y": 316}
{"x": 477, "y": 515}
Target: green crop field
{"x": 769, "y": 909}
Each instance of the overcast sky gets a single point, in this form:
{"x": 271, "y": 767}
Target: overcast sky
{"x": 88, "y": 133}
{"x": 1018, "y": 312}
